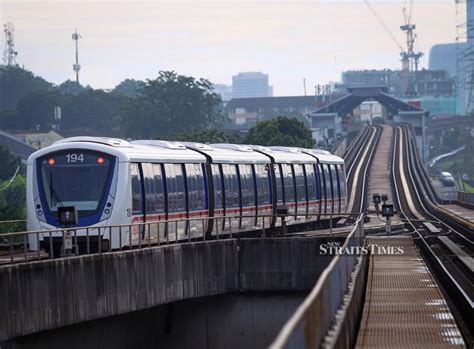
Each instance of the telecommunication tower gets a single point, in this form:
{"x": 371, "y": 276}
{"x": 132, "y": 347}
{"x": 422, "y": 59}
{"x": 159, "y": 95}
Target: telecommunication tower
{"x": 76, "y": 67}
{"x": 9, "y": 53}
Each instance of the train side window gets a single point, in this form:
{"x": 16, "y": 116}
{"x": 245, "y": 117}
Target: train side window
{"x": 217, "y": 180}
{"x": 342, "y": 180}
{"x": 300, "y": 183}
{"x": 279, "y": 184}
{"x": 263, "y": 183}
{"x": 136, "y": 190}
{"x": 247, "y": 185}
{"x": 231, "y": 184}
{"x": 159, "y": 190}
{"x": 322, "y": 177}
{"x": 175, "y": 186}
{"x": 317, "y": 174}
{"x": 335, "y": 181}
{"x": 289, "y": 183}
{"x": 311, "y": 181}
{"x": 149, "y": 184}
{"x": 329, "y": 181}
{"x": 196, "y": 187}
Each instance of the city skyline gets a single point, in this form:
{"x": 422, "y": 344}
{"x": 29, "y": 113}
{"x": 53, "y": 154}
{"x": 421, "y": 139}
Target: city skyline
{"x": 217, "y": 40}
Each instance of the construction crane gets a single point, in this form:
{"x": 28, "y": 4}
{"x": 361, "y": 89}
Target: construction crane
{"x": 410, "y": 59}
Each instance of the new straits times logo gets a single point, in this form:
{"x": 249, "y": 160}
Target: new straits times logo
{"x": 336, "y": 248}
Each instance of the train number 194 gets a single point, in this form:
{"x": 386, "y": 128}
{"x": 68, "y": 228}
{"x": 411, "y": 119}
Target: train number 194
{"x": 75, "y": 158}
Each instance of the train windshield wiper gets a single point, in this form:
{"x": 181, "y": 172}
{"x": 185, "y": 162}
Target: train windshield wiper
{"x": 53, "y": 193}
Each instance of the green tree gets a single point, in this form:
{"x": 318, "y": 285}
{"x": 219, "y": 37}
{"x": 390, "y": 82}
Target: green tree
{"x": 36, "y": 110}
{"x": 13, "y": 199}
{"x": 281, "y": 131}
{"x": 169, "y": 104}
{"x": 9, "y": 164}
{"x": 70, "y": 87}
{"x": 16, "y": 83}
{"x": 129, "y": 87}
{"x": 91, "y": 109}
{"x": 207, "y": 136}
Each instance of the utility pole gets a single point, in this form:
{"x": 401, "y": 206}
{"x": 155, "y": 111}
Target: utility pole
{"x": 76, "y": 67}
{"x": 9, "y": 53}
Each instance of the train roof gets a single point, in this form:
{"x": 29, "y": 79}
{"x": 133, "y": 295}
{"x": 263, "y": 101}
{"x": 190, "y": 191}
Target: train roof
{"x": 169, "y": 151}
{"x": 140, "y": 151}
{"x": 324, "y": 156}
{"x": 226, "y": 153}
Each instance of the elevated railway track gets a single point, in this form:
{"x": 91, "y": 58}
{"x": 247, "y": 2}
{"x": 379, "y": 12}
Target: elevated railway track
{"x": 446, "y": 241}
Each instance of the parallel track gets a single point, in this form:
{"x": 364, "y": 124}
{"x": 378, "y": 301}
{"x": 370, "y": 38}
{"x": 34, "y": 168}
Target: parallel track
{"x": 358, "y": 159}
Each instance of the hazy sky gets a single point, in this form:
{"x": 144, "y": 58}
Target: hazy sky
{"x": 289, "y": 40}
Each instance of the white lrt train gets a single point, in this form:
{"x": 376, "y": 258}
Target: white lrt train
{"x": 114, "y": 182}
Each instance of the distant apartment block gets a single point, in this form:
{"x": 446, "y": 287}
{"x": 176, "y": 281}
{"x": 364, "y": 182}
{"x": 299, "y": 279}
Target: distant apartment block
{"x": 435, "y": 88}
{"x": 224, "y": 91}
{"x": 427, "y": 82}
{"x": 251, "y": 84}
{"x": 245, "y": 112}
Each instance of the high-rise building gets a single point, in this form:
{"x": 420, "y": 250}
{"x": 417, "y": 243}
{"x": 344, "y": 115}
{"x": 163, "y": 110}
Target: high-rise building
{"x": 444, "y": 57}
{"x": 251, "y": 84}
{"x": 465, "y": 63}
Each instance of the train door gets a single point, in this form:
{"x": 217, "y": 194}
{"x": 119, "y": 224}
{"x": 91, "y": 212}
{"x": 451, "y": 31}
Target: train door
{"x": 324, "y": 189}
{"x": 232, "y": 195}
{"x": 138, "y": 200}
{"x": 219, "y": 201}
{"x": 311, "y": 184}
{"x": 300, "y": 191}
{"x": 329, "y": 184}
{"x": 336, "y": 189}
{"x": 248, "y": 197}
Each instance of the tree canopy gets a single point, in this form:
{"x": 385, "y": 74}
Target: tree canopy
{"x": 16, "y": 83}
{"x": 70, "y": 87}
{"x": 170, "y": 104}
{"x": 9, "y": 164}
{"x": 282, "y": 131}
{"x": 129, "y": 87}
{"x": 13, "y": 199}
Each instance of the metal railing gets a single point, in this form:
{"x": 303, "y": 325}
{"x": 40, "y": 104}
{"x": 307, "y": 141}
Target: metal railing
{"x": 12, "y": 226}
{"x": 466, "y": 197}
{"x": 26, "y": 246}
{"x": 310, "y": 323}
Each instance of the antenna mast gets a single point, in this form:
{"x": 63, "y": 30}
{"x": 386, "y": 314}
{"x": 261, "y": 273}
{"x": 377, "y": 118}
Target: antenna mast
{"x": 76, "y": 67}
{"x": 9, "y": 53}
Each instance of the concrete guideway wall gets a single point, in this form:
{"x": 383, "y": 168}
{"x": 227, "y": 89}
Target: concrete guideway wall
{"x": 49, "y": 294}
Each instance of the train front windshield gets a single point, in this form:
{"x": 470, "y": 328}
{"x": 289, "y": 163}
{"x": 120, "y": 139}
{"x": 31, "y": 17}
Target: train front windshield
{"x": 75, "y": 178}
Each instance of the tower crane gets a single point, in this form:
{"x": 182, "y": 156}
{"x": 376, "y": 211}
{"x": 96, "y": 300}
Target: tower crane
{"x": 409, "y": 58}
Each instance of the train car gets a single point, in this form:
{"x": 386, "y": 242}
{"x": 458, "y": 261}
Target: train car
{"x": 112, "y": 182}
{"x": 121, "y": 189}
{"x": 241, "y": 186}
{"x": 332, "y": 176}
